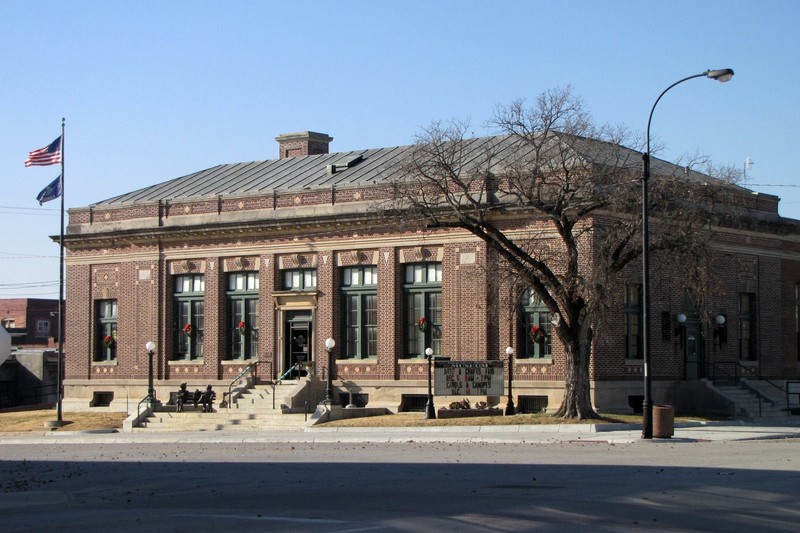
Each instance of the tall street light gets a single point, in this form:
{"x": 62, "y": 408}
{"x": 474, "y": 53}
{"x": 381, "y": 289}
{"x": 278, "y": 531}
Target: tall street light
{"x": 722, "y": 75}
{"x": 329, "y": 344}
{"x": 151, "y": 391}
{"x": 430, "y": 411}
{"x": 510, "y": 410}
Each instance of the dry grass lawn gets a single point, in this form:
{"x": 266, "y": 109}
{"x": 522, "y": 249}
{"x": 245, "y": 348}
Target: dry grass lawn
{"x": 417, "y": 419}
{"x": 20, "y": 421}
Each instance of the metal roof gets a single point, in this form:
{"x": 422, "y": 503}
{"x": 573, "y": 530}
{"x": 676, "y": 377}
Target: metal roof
{"x": 259, "y": 177}
{"x": 359, "y": 167}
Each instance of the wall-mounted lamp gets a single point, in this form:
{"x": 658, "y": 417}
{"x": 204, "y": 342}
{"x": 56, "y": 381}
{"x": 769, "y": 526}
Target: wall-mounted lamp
{"x": 721, "y": 329}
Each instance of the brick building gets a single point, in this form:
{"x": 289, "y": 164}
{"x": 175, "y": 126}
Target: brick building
{"x": 262, "y": 261}
{"x": 31, "y": 321}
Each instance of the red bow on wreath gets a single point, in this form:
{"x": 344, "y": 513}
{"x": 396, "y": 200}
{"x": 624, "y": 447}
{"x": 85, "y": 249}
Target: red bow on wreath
{"x": 188, "y": 329}
{"x": 242, "y": 327}
{"x": 422, "y": 324}
{"x": 537, "y": 334}
{"x": 108, "y": 340}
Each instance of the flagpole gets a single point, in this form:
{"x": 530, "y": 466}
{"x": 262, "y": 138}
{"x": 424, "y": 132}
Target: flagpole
{"x": 59, "y": 378}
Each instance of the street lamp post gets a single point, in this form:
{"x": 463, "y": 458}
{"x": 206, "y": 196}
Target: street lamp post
{"x": 722, "y": 75}
{"x": 329, "y": 344}
{"x": 510, "y": 405}
{"x": 151, "y": 391}
{"x": 430, "y": 412}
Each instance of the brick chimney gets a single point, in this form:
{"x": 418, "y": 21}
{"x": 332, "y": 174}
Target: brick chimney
{"x": 302, "y": 143}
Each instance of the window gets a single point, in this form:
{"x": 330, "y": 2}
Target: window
{"x": 42, "y": 328}
{"x": 243, "y": 315}
{"x": 633, "y": 321}
{"x": 360, "y": 312}
{"x": 106, "y": 330}
{"x": 423, "y": 308}
{"x": 747, "y": 327}
{"x": 535, "y": 343}
{"x": 189, "y": 316}
{"x": 797, "y": 316}
{"x": 300, "y": 280}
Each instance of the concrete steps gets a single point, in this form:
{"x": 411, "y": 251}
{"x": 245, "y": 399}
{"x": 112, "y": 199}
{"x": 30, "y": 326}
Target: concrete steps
{"x": 253, "y": 411}
{"x": 747, "y": 404}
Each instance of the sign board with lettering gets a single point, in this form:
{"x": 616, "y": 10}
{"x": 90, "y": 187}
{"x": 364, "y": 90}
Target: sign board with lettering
{"x": 468, "y": 378}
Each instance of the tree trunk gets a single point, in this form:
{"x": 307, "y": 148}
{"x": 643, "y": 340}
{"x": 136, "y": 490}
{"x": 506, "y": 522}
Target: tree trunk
{"x": 577, "y": 388}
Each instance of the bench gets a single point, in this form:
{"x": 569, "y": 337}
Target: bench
{"x": 191, "y": 400}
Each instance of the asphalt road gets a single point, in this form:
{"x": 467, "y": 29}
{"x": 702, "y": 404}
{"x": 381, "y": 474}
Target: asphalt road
{"x": 415, "y": 487}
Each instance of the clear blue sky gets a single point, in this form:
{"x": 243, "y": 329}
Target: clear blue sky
{"x": 153, "y": 90}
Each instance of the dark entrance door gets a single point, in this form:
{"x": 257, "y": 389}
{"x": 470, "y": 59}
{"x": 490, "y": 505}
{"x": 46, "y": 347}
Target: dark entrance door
{"x": 297, "y": 346}
{"x": 694, "y": 349}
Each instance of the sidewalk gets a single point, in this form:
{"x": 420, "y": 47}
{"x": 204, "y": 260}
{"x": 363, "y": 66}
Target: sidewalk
{"x": 544, "y": 434}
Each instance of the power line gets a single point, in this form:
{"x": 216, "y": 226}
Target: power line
{"x": 26, "y": 256}
{"x": 29, "y": 208}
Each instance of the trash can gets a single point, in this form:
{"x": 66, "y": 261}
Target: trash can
{"x": 663, "y": 421}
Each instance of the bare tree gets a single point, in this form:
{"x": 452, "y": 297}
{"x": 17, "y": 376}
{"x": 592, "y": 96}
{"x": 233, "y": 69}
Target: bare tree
{"x": 558, "y": 199}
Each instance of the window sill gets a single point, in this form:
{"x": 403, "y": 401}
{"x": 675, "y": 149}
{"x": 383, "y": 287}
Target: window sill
{"x": 634, "y": 362}
{"x": 238, "y": 361}
{"x": 196, "y": 362}
{"x": 354, "y": 361}
{"x": 534, "y": 360}
{"x": 105, "y": 363}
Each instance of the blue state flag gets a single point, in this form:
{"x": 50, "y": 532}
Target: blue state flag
{"x": 51, "y": 192}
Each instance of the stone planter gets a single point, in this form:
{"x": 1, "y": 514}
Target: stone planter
{"x": 467, "y": 413}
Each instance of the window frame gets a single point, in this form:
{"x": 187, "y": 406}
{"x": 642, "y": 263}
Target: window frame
{"x": 242, "y": 295}
{"x": 748, "y": 324}
{"x": 633, "y": 321}
{"x": 189, "y": 308}
{"x": 534, "y": 312}
{"x": 306, "y": 276}
{"x": 107, "y": 317}
{"x": 422, "y": 299}
{"x": 359, "y": 305}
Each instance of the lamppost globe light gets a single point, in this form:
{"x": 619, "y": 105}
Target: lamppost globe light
{"x": 681, "y": 318}
{"x": 719, "y": 319}
{"x": 330, "y": 343}
{"x": 509, "y": 351}
{"x": 429, "y": 351}
{"x": 150, "y": 346}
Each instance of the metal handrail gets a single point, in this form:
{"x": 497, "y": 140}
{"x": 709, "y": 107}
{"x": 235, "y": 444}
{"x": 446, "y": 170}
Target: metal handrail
{"x": 280, "y": 379}
{"x": 242, "y": 373}
{"x": 147, "y": 398}
{"x": 739, "y": 369}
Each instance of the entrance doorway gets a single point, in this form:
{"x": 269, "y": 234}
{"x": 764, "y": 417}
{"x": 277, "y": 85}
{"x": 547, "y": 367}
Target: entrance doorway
{"x": 694, "y": 349}
{"x": 297, "y": 343}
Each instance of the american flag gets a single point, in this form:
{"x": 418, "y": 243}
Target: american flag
{"x": 49, "y": 155}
